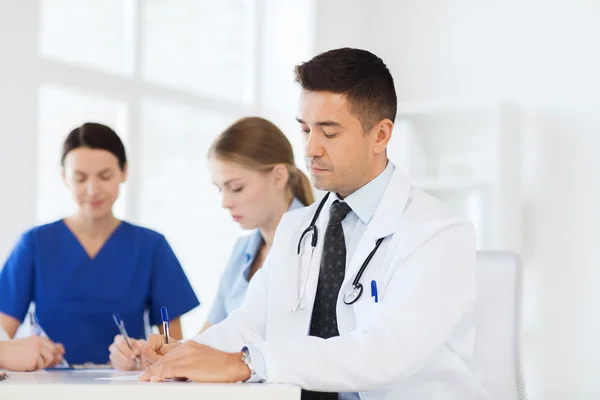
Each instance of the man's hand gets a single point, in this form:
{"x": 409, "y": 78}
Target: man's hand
{"x": 122, "y": 357}
{"x": 200, "y": 363}
{"x": 29, "y": 354}
{"x": 155, "y": 349}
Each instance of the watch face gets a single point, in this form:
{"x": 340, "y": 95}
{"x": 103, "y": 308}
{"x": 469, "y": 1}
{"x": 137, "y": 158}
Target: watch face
{"x": 245, "y": 355}
{"x": 246, "y": 360}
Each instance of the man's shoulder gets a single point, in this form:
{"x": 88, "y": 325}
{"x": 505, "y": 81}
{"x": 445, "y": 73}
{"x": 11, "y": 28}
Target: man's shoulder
{"x": 425, "y": 208}
{"x": 426, "y": 217}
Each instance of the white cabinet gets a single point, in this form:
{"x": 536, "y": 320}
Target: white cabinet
{"x": 469, "y": 155}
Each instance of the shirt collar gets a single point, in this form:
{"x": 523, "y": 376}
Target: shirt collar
{"x": 365, "y": 200}
{"x": 255, "y": 240}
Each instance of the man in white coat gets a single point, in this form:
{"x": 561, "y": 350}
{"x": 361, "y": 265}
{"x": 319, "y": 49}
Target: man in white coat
{"x": 376, "y": 300}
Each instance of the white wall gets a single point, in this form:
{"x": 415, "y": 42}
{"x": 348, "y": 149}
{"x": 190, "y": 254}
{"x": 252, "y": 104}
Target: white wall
{"x": 18, "y": 125}
{"x": 544, "y": 56}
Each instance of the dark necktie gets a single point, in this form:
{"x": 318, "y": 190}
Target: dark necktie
{"x": 331, "y": 276}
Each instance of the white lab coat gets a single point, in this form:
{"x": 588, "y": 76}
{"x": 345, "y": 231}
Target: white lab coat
{"x": 416, "y": 343}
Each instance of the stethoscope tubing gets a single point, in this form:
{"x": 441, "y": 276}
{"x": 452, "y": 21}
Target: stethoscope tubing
{"x": 357, "y": 288}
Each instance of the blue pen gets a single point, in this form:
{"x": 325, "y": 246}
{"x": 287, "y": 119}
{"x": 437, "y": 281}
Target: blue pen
{"x": 165, "y": 321}
{"x": 121, "y": 326}
{"x": 374, "y": 291}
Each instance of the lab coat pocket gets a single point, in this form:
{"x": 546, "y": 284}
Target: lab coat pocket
{"x": 365, "y": 312}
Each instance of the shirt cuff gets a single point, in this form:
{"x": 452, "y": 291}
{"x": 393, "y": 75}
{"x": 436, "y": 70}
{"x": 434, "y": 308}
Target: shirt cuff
{"x": 258, "y": 364}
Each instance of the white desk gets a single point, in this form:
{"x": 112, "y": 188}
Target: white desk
{"x": 82, "y": 385}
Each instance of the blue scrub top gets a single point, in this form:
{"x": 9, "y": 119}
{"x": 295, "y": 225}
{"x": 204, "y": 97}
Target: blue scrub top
{"x": 75, "y": 296}
{"x": 234, "y": 282}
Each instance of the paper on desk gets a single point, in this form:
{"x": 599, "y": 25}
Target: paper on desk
{"x": 91, "y": 370}
{"x": 36, "y": 372}
{"x": 118, "y": 378}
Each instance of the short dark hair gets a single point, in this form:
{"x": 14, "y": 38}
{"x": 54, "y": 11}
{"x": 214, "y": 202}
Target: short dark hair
{"x": 95, "y": 136}
{"x": 359, "y": 75}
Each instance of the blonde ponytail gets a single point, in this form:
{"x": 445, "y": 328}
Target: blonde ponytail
{"x": 301, "y": 187}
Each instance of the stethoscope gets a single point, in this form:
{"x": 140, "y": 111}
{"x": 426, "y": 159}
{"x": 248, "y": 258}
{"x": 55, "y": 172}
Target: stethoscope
{"x": 356, "y": 291}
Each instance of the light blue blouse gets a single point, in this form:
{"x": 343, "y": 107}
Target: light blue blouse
{"x": 234, "y": 281}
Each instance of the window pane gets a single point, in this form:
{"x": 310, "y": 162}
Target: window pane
{"x": 92, "y": 33}
{"x": 61, "y": 110}
{"x": 198, "y": 46}
{"x": 177, "y": 198}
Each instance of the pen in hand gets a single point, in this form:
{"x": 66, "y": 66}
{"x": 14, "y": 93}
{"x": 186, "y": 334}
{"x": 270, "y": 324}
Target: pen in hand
{"x": 35, "y": 330}
{"x": 121, "y": 325}
{"x": 165, "y": 321}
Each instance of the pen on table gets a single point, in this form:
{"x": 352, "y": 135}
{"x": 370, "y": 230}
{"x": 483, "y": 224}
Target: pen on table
{"x": 165, "y": 321}
{"x": 121, "y": 325}
{"x": 374, "y": 291}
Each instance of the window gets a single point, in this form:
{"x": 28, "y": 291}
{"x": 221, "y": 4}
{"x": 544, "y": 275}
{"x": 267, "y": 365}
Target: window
{"x": 92, "y": 34}
{"x": 168, "y": 77}
{"x": 197, "y": 46}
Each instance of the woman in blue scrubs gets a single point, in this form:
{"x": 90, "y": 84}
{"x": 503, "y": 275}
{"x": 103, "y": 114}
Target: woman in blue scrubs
{"x": 81, "y": 269}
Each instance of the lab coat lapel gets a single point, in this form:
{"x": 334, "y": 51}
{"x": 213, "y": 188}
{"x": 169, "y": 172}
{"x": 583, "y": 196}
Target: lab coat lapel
{"x": 383, "y": 223}
{"x": 311, "y": 273}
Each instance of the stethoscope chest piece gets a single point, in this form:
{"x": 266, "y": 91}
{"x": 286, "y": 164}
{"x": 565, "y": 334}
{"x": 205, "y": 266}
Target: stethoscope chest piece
{"x": 354, "y": 294}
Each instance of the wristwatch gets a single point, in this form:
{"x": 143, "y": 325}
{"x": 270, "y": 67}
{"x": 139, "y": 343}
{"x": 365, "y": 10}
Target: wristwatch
{"x": 246, "y": 359}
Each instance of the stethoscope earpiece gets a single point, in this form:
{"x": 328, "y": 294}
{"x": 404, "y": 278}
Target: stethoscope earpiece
{"x": 312, "y": 227}
{"x": 312, "y": 230}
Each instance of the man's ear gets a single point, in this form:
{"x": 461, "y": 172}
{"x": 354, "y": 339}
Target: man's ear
{"x": 382, "y": 132}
